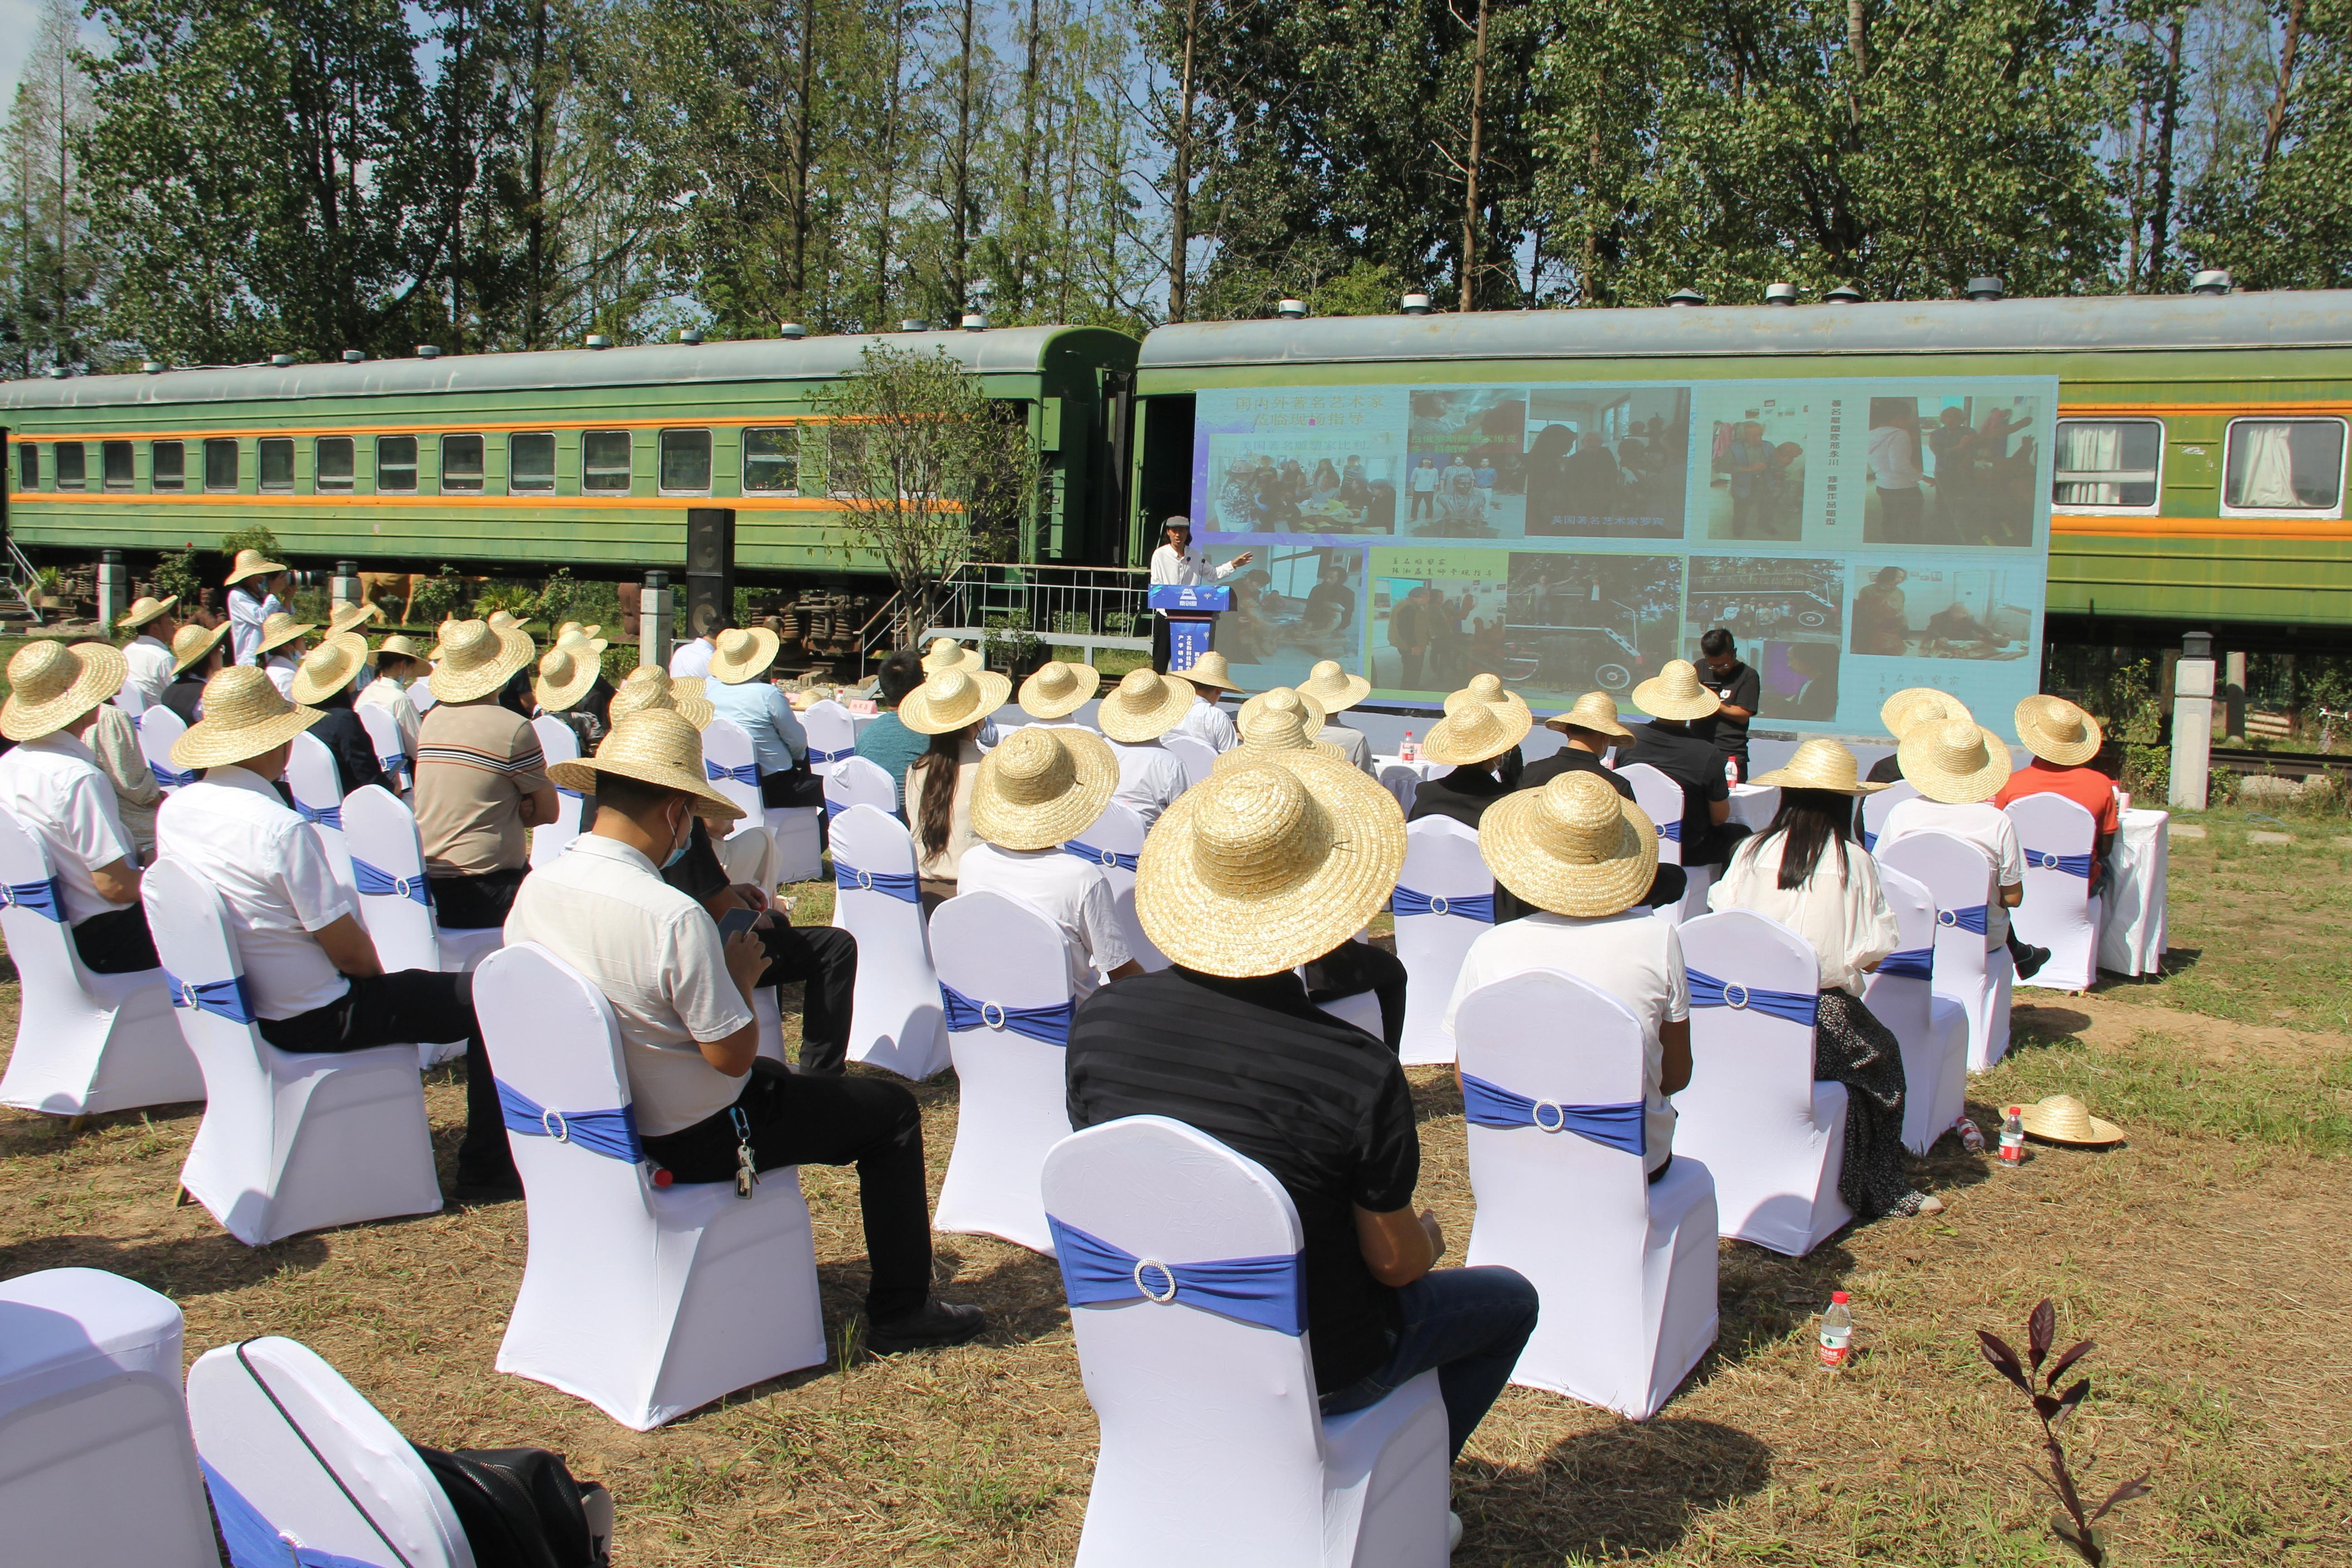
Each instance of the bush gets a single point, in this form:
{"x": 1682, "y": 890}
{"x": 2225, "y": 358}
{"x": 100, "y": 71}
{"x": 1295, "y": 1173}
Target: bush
{"x": 175, "y": 573}
{"x": 437, "y": 597}
{"x": 255, "y": 537}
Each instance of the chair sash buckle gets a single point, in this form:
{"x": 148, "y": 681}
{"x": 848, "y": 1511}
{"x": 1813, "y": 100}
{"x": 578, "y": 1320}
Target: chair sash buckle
{"x": 551, "y": 1122}
{"x": 993, "y": 1015}
{"x": 2049, "y": 861}
{"x": 1559, "y": 1113}
{"x": 865, "y": 881}
{"x": 1163, "y": 1299}
{"x": 1438, "y": 906}
{"x": 1947, "y": 917}
{"x": 1735, "y": 996}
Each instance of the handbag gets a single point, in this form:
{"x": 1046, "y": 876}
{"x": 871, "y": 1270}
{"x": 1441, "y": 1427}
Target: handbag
{"x": 520, "y": 1507}
{"x": 799, "y": 786}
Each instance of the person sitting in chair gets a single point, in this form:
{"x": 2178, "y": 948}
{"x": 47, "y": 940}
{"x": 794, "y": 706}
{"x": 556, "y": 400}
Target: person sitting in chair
{"x": 324, "y": 682}
{"x": 1958, "y": 766}
{"x": 480, "y": 777}
{"x": 1587, "y": 731}
{"x": 149, "y": 652}
{"x": 198, "y": 655}
{"x": 1139, "y": 710}
{"x": 2063, "y": 739}
{"x": 1674, "y": 698}
{"x": 739, "y": 689}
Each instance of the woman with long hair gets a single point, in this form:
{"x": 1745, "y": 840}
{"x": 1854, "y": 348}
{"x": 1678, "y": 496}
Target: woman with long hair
{"x": 950, "y": 707}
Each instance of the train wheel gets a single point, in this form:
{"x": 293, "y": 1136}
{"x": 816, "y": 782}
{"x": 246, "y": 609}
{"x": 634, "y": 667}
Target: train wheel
{"x": 1813, "y": 618}
{"x": 1614, "y": 677}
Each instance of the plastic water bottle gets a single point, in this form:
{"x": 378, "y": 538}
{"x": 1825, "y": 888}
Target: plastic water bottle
{"x": 2012, "y": 1137}
{"x": 1731, "y": 771}
{"x": 1411, "y": 751}
{"x": 1837, "y": 1332}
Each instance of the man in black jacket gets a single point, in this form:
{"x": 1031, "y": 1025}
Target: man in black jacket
{"x": 1589, "y": 729}
{"x": 1674, "y": 698}
{"x": 324, "y": 682}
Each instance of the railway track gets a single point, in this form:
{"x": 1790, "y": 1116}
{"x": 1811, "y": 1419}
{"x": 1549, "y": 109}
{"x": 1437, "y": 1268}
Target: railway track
{"x": 2286, "y": 763}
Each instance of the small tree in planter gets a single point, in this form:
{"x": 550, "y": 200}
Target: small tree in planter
{"x": 2076, "y": 1525}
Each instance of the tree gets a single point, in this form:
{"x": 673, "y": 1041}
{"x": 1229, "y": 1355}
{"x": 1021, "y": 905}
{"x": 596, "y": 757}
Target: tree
{"x": 53, "y": 267}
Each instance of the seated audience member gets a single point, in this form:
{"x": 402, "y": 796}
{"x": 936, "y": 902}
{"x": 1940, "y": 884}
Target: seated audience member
{"x": 398, "y": 665}
{"x": 51, "y": 784}
{"x": 1583, "y": 857}
{"x": 1957, "y": 766}
{"x": 1912, "y": 705}
{"x": 739, "y": 689}
{"x": 692, "y": 657}
{"x": 1673, "y": 699}
{"x": 946, "y": 653}
{"x": 281, "y": 647}
{"x": 1336, "y": 691}
{"x": 1139, "y": 712}
{"x": 568, "y": 676}
{"x": 1807, "y": 871}
{"x": 1587, "y": 731}
{"x": 1204, "y": 720}
{"x": 113, "y": 740}
{"x": 690, "y": 1042}
{"x": 1479, "y": 737}
{"x": 2063, "y": 739}
{"x": 1056, "y": 690}
{"x": 887, "y": 742}
{"x": 148, "y": 655}
{"x": 312, "y": 973}
{"x": 1038, "y": 790}
{"x": 950, "y": 707}
{"x": 198, "y": 655}
{"x": 324, "y": 682}
{"x": 1251, "y": 874}
{"x": 480, "y": 778}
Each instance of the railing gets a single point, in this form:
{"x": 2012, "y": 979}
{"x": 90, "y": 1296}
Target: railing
{"x": 22, "y": 578}
{"x": 1088, "y": 607}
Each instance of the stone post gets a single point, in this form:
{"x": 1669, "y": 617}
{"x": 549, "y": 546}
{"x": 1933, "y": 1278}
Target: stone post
{"x": 2192, "y": 722}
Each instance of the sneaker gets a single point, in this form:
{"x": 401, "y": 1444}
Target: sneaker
{"x": 1453, "y": 1531}
{"x": 1916, "y": 1203}
{"x": 2030, "y": 964}
{"x": 934, "y": 1327}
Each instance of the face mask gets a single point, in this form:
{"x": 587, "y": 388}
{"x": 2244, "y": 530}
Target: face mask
{"x": 679, "y": 853}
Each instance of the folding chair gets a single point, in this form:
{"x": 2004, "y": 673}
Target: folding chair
{"x": 899, "y": 1023}
{"x": 316, "y": 787}
{"x": 1966, "y": 970}
{"x": 1875, "y": 808}
{"x": 2060, "y": 911}
{"x": 1933, "y": 1030}
{"x": 854, "y": 781}
{"x": 159, "y": 729}
{"x": 749, "y": 849}
{"x": 391, "y": 750}
{"x": 1198, "y": 756}
{"x": 1115, "y": 843}
{"x": 832, "y": 736}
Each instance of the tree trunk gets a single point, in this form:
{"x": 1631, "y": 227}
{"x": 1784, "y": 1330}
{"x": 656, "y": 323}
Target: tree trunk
{"x": 2275, "y": 128}
{"x": 2167, "y": 127}
{"x": 534, "y": 320}
{"x": 1470, "y": 171}
{"x": 959, "y": 257}
{"x": 803, "y": 156}
{"x": 1180, "y": 217}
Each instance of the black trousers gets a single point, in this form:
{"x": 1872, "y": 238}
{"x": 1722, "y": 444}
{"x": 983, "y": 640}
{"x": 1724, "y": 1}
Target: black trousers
{"x": 1159, "y": 643}
{"x": 1714, "y": 845}
{"x": 116, "y": 942}
{"x": 826, "y": 961}
{"x": 407, "y": 1008}
{"x": 476, "y": 903}
{"x": 1353, "y": 968}
{"x": 799, "y": 1121}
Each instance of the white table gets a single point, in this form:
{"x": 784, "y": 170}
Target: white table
{"x": 2131, "y": 932}
{"x": 1420, "y": 770}
{"x": 1754, "y": 806}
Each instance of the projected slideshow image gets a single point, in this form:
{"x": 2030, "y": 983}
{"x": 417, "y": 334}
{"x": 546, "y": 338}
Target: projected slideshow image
{"x": 1952, "y": 471}
{"x": 1943, "y": 612}
{"x": 1463, "y": 477}
{"x": 1755, "y": 466}
{"x": 1577, "y": 622}
{"x": 1292, "y": 606}
{"x": 1787, "y": 618}
{"x": 1607, "y": 462}
{"x": 1433, "y": 632}
{"x": 1316, "y": 484}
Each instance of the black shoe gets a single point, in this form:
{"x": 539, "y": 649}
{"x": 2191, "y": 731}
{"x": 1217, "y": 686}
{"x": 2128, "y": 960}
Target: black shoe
{"x": 489, "y": 1186}
{"x": 936, "y": 1326}
{"x": 2030, "y": 964}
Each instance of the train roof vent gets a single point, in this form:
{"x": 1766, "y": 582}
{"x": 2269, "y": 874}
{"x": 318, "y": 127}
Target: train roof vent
{"x": 1988, "y": 287}
{"x": 914, "y": 324}
{"x": 1291, "y": 310}
{"x": 689, "y": 335}
{"x": 352, "y": 356}
{"x": 599, "y": 340}
{"x": 1686, "y": 297}
{"x": 59, "y": 373}
{"x": 1780, "y": 293}
{"x": 1416, "y": 304}
{"x": 1844, "y": 294}
{"x": 428, "y": 351}
{"x": 151, "y": 366}
{"x": 975, "y": 321}
{"x": 281, "y": 361}
{"x": 793, "y": 330}
{"x": 2212, "y": 280}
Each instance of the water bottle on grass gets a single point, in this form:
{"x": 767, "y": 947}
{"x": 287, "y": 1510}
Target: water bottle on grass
{"x": 2012, "y": 1137}
{"x": 1837, "y": 1332}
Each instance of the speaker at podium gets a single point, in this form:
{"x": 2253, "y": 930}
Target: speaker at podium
{"x": 710, "y": 569}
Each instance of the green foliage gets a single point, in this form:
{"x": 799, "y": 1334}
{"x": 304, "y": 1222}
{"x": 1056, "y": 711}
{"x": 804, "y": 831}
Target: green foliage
{"x": 519, "y": 600}
{"x": 256, "y": 537}
{"x": 175, "y": 573}
{"x": 438, "y": 597}
{"x": 557, "y": 598}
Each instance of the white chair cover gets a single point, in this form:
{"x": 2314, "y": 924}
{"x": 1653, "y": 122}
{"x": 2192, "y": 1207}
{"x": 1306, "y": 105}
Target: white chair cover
{"x": 832, "y": 736}
{"x": 1933, "y": 1030}
{"x": 130, "y": 700}
{"x": 383, "y": 733}
{"x": 85, "y": 1043}
{"x": 1212, "y": 1450}
{"x": 1661, "y": 800}
{"x": 318, "y": 790}
{"x": 1114, "y": 843}
{"x": 289, "y": 1142}
{"x": 1627, "y": 1270}
{"x": 159, "y": 729}
{"x": 303, "y": 1469}
{"x": 388, "y": 864}
{"x": 96, "y": 1469}
{"x": 1198, "y": 756}
{"x": 1009, "y": 962}
{"x": 645, "y": 1301}
{"x": 899, "y": 1023}
{"x": 1400, "y": 780}
{"x": 1959, "y": 878}
{"x": 1444, "y": 900}
{"x": 1360, "y": 1009}
{"x": 1875, "y": 808}
{"x": 558, "y": 742}
{"x": 748, "y": 851}
{"x": 2060, "y": 911}
{"x": 798, "y": 833}
{"x": 1753, "y": 1115}
{"x": 857, "y": 782}
{"x": 421, "y": 697}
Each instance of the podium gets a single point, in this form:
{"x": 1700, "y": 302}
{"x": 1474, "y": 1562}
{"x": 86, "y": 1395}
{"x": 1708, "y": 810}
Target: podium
{"x": 1191, "y": 611}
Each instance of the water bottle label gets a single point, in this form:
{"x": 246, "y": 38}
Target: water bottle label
{"x": 1836, "y": 1345}
{"x": 2013, "y": 1150}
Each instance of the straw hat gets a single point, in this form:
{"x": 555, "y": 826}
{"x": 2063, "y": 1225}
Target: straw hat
{"x": 1043, "y": 787}
{"x": 477, "y": 658}
{"x": 565, "y": 675}
{"x": 1317, "y": 714}
{"x": 1574, "y": 847}
{"x": 656, "y": 746}
{"x": 50, "y": 685}
{"x": 571, "y": 629}
{"x": 946, "y": 653}
{"x": 1956, "y": 761}
{"x": 1334, "y": 688}
{"x": 1258, "y": 869}
{"x": 1279, "y": 726}
{"x": 251, "y": 563}
{"x": 281, "y": 628}
{"x": 2058, "y": 732}
{"x": 145, "y": 609}
{"x": 1674, "y": 692}
{"x": 650, "y": 685}
{"x": 2062, "y": 1119}
{"x": 351, "y": 617}
{"x": 1211, "y": 672}
{"x": 953, "y": 698}
{"x": 743, "y": 652}
{"x": 397, "y": 647}
{"x": 1145, "y": 706}
{"x": 191, "y": 642}
{"x": 1595, "y": 710}
{"x": 1914, "y": 703}
{"x": 503, "y": 623}
{"x": 329, "y": 668}
{"x": 1058, "y": 689}
{"x": 1820, "y": 764}
{"x": 1475, "y": 730}
{"x": 1489, "y": 689}
{"x": 245, "y": 715}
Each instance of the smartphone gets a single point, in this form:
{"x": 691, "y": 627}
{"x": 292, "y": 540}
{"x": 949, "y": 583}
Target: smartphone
{"x": 734, "y": 920}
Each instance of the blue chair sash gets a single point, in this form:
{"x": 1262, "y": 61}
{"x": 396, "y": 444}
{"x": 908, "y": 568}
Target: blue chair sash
{"x": 254, "y": 1542}
{"x": 2073, "y": 865}
{"x": 1046, "y": 1026}
{"x": 749, "y": 773}
{"x": 1672, "y": 830}
{"x": 1869, "y": 841}
{"x": 1106, "y": 858}
{"x": 375, "y": 881}
{"x": 900, "y": 885}
{"x": 1269, "y": 1291}
{"x": 395, "y": 763}
{"x": 222, "y": 998}
{"x": 1795, "y": 1006}
{"x": 1617, "y": 1126}
{"x": 1911, "y": 964}
{"x": 611, "y": 1134}
{"x": 1479, "y": 907}
{"x": 172, "y": 778}
{"x": 44, "y": 899}
{"x": 1970, "y": 919}
{"x": 842, "y": 755}
{"x": 324, "y": 815}
{"x": 569, "y": 794}
{"x": 833, "y": 808}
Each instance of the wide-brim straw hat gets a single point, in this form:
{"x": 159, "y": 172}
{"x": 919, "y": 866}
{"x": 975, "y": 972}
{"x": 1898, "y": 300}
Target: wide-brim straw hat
{"x": 1279, "y": 726}
{"x": 1476, "y": 731}
{"x": 1058, "y": 690}
{"x": 946, "y": 653}
{"x": 1334, "y": 688}
{"x": 1258, "y": 869}
{"x": 251, "y": 563}
{"x": 1210, "y": 670}
{"x": 1956, "y": 761}
{"x": 1915, "y": 703}
{"x": 1488, "y": 689}
{"x": 743, "y": 652}
{"x": 2062, "y": 1119}
{"x": 565, "y": 674}
{"x": 1674, "y": 692}
{"x": 191, "y": 642}
{"x": 1144, "y": 706}
{"x": 655, "y": 746}
{"x": 953, "y": 699}
{"x": 650, "y": 685}
{"x": 477, "y": 658}
{"x": 1291, "y": 697}
{"x": 245, "y": 715}
{"x": 281, "y": 628}
{"x": 571, "y": 629}
{"x": 351, "y": 617}
{"x": 398, "y": 646}
{"x": 1575, "y": 846}
{"x": 143, "y": 610}
{"x": 1820, "y": 764}
{"x": 51, "y": 684}
{"x": 327, "y": 668}
{"x": 1043, "y": 787}
{"x": 2058, "y": 732}
{"x": 1596, "y": 711}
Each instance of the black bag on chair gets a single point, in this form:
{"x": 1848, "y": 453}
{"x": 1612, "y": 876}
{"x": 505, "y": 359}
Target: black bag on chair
{"x": 801, "y": 787}
{"x": 521, "y": 1507}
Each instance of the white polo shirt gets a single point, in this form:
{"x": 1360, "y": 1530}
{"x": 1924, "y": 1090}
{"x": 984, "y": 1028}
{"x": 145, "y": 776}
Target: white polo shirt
{"x": 386, "y": 692}
{"x": 230, "y": 828}
{"x": 1072, "y": 893}
{"x": 1982, "y": 824}
{"x": 147, "y": 663}
{"x": 691, "y": 657}
{"x": 1151, "y": 777}
{"x": 1354, "y": 749}
{"x": 281, "y": 667}
{"x": 655, "y": 953}
{"x": 1209, "y": 725}
{"x": 53, "y": 787}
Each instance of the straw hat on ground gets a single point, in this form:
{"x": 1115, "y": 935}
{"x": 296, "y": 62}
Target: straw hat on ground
{"x": 1058, "y": 690}
{"x": 351, "y": 617}
{"x": 1279, "y": 726}
{"x": 1476, "y": 731}
{"x": 325, "y": 669}
{"x": 1258, "y": 869}
{"x": 1820, "y": 764}
{"x": 1292, "y": 697}
{"x": 953, "y": 699}
{"x": 251, "y": 563}
{"x": 1488, "y": 688}
{"x": 477, "y": 659}
{"x": 1211, "y": 672}
{"x": 1915, "y": 703}
{"x": 743, "y": 652}
{"x": 1043, "y": 787}
{"x": 1334, "y": 688}
{"x": 655, "y": 746}
{"x": 1596, "y": 711}
{"x": 245, "y": 716}
{"x": 946, "y": 653}
{"x": 2062, "y": 1119}
{"x": 145, "y": 609}
{"x": 1674, "y": 692}
{"x": 1145, "y": 706}
{"x": 281, "y": 628}
{"x": 565, "y": 674}
{"x": 2058, "y": 732}
{"x": 1956, "y": 761}
{"x": 50, "y": 685}
{"x": 650, "y": 685}
{"x": 1574, "y": 847}
{"x": 191, "y": 642}
{"x": 397, "y": 647}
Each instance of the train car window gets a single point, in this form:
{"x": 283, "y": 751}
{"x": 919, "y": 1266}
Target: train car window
{"x": 685, "y": 462}
{"x": 844, "y": 452}
{"x": 772, "y": 460}
{"x": 395, "y": 464}
{"x": 461, "y": 464}
{"x": 28, "y": 466}
{"x": 277, "y": 463}
{"x": 332, "y": 463}
{"x": 114, "y": 462}
{"x": 220, "y": 465}
{"x": 167, "y": 466}
{"x": 71, "y": 476}
{"x": 2108, "y": 464}
{"x": 604, "y": 461}
{"x": 530, "y": 461}
{"x": 2283, "y": 466}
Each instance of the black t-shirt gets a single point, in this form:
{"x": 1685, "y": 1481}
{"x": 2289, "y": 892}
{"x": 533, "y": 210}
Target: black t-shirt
{"x": 1464, "y": 795}
{"x": 345, "y": 735}
{"x": 183, "y": 695}
{"x": 1322, "y": 1105}
{"x": 1571, "y": 760}
{"x": 698, "y": 874}
{"x": 1692, "y": 763}
{"x": 1742, "y": 687}
{"x": 1887, "y": 770}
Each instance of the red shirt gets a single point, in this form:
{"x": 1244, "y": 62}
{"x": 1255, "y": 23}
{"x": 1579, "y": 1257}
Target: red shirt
{"x": 2086, "y": 787}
